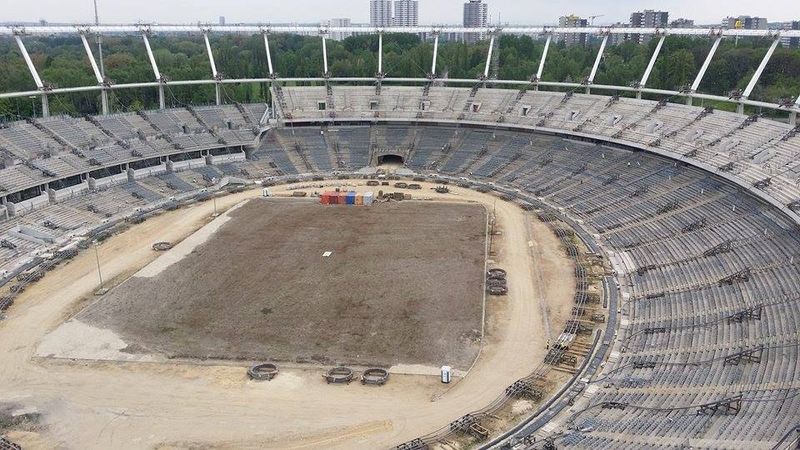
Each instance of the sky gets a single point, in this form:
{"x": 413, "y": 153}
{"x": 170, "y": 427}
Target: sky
{"x": 528, "y": 12}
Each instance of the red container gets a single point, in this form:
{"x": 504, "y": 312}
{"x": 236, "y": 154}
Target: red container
{"x": 341, "y": 198}
{"x": 326, "y": 198}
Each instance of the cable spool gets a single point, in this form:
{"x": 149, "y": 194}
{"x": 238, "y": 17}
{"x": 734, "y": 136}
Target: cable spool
{"x": 497, "y": 290}
{"x": 496, "y": 273}
{"x": 162, "y": 246}
{"x": 339, "y": 375}
{"x": 496, "y": 282}
{"x": 264, "y": 371}
{"x": 375, "y": 376}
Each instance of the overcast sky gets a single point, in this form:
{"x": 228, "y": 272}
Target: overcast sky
{"x": 532, "y": 12}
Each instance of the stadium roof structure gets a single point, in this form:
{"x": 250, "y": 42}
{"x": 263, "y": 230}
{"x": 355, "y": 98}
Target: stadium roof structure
{"x": 104, "y": 85}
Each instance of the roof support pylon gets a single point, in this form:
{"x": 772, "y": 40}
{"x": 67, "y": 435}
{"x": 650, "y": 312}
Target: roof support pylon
{"x": 214, "y": 73}
{"x": 269, "y": 55}
{"x": 100, "y": 80}
{"x": 754, "y": 80}
{"x": 36, "y": 79}
{"x": 703, "y": 68}
{"x": 435, "y": 52}
{"x": 488, "y": 57}
{"x": 650, "y": 66}
{"x": 380, "y": 55}
{"x": 324, "y": 57}
{"x": 597, "y": 60}
{"x": 156, "y": 72}
{"x": 544, "y": 57}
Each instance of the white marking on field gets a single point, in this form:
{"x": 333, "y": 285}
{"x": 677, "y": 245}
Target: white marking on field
{"x": 327, "y": 254}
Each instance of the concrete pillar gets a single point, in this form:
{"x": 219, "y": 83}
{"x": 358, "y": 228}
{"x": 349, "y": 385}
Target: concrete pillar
{"x": 793, "y": 119}
{"x": 740, "y": 108}
{"x": 12, "y": 209}
{"x": 104, "y": 102}
{"x": 45, "y": 106}
{"x": 170, "y": 169}
{"x": 92, "y": 183}
{"x": 161, "y": 102}
{"x": 51, "y": 196}
{"x": 130, "y": 173}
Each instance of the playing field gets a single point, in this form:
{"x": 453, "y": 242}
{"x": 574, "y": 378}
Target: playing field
{"x": 402, "y": 285}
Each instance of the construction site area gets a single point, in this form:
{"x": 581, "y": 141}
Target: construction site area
{"x": 162, "y": 371}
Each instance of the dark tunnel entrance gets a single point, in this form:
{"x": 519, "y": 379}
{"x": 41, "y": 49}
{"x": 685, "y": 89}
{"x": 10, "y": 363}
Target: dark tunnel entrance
{"x": 395, "y": 160}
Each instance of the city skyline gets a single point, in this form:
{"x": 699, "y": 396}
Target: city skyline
{"x": 430, "y": 12}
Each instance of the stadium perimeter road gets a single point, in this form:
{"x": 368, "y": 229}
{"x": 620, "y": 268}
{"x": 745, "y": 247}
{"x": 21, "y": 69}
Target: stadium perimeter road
{"x": 88, "y": 404}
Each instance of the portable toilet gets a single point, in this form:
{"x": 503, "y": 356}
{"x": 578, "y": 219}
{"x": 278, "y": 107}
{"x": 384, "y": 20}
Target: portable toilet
{"x": 447, "y": 373}
{"x": 368, "y": 198}
{"x": 351, "y": 198}
{"x": 342, "y": 198}
{"x": 265, "y": 192}
{"x": 359, "y": 200}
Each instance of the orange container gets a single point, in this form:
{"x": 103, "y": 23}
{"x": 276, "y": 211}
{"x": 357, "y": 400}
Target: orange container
{"x": 359, "y": 200}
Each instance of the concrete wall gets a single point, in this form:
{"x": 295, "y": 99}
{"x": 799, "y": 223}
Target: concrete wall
{"x": 63, "y": 194}
{"x": 220, "y": 159}
{"x": 27, "y": 206}
{"x": 188, "y": 164}
{"x": 144, "y": 173}
{"x": 110, "y": 181}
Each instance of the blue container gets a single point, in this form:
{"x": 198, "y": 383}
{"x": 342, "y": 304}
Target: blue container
{"x": 351, "y": 198}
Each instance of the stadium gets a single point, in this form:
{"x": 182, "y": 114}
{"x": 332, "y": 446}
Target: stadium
{"x": 585, "y": 265}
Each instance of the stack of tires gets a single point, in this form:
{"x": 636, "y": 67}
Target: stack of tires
{"x": 496, "y": 283}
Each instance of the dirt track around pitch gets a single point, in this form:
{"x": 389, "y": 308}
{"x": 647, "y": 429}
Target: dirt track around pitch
{"x": 104, "y": 405}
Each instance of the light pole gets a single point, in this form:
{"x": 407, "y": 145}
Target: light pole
{"x": 102, "y": 289}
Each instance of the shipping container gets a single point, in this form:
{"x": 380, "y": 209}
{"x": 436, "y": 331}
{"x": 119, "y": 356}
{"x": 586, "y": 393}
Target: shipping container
{"x": 351, "y": 198}
{"x": 342, "y": 198}
{"x": 326, "y": 198}
{"x": 359, "y": 200}
{"x": 369, "y": 197}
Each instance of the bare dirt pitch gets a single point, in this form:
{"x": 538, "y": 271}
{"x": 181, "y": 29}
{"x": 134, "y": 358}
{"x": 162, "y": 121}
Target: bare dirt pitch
{"x": 403, "y": 285}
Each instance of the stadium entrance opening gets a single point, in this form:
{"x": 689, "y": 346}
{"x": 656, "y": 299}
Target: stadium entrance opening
{"x": 394, "y": 160}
